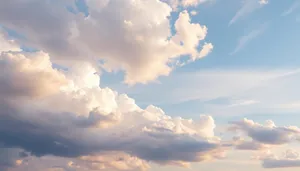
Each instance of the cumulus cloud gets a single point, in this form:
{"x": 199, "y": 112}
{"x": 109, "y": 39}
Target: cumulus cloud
{"x": 66, "y": 114}
{"x": 288, "y": 159}
{"x": 124, "y": 35}
{"x": 268, "y": 133}
{"x": 28, "y": 75}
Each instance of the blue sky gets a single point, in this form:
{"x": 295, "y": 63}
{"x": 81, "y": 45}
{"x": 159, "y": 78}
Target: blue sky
{"x": 130, "y": 85}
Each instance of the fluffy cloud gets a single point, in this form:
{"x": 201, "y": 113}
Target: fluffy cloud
{"x": 66, "y": 114}
{"x": 268, "y": 133}
{"x": 131, "y": 38}
{"x": 28, "y": 75}
{"x": 288, "y": 159}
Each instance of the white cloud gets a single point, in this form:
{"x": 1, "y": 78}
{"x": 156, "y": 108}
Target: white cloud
{"x": 19, "y": 74}
{"x": 132, "y": 39}
{"x": 193, "y": 12}
{"x": 263, "y": 2}
{"x": 76, "y": 118}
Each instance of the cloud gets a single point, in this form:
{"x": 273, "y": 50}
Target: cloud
{"x": 10, "y": 157}
{"x": 19, "y": 74}
{"x": 291, "y": 9}
{"x": 175, "y": 4}
{"x": 7, "y": 44}
{"x": 134, "y": 39}
{"x": 263, "y": 2}
{"x": 268, "y": 133}
{"x": 289, "y": 159}
{"x": 244, "y": 40}
{"x": 248, "y": 7}
{"x": 70, "y": 116}
{"x": 193, "y": 12}
{"x": 241, "y": 144}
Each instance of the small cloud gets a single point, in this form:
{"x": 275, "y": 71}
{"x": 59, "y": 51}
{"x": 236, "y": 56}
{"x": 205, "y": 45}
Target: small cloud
{"x": 263, "y": 2}
{"x": 267, "y": 133}
{"x": 244, "y": 40}
{"x": 193, "y": 13}
{"x": 248, "y": 7}
{"x": 291, "y": 9}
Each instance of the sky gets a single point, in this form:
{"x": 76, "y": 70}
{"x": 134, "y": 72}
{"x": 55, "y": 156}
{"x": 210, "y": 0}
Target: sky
{"x": 146, "y": 85}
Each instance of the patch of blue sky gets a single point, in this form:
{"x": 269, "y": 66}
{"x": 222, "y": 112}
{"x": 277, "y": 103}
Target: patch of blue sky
{"x": 282, "y": 34}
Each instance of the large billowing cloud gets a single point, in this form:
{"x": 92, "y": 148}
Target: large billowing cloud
{"x": 124, "y": 35}
{"x": 46, "y": 111}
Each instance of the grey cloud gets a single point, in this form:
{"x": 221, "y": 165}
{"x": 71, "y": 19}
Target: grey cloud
{"x": 250, "y": 145}
{"x": 274, "y": 163}
{"x": 45, "y": 24}
{"x": 9, "y": 157}
{"x": 266, "y": 134}
{"x": 60, "y": 135}
{"x": 289, "y": 159}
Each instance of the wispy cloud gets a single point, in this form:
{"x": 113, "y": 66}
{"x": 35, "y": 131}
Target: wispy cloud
{"x": 292, "y": 8}
{"x": 248, "y": 37}
{"x": 248, "y": 7}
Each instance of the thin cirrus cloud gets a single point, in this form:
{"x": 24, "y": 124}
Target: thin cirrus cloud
{"x": 245, "y": 39}
{"x": 248, "y": 7}
{"x": 291, "y": 9}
